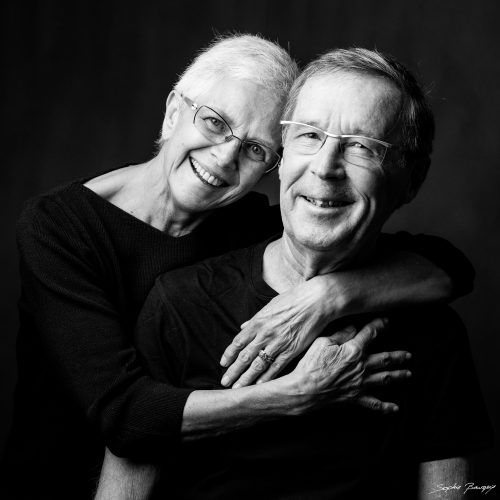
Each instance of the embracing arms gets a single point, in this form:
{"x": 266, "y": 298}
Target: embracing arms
{"x": 407, "y": 271}
{"x": 71, "y": 300}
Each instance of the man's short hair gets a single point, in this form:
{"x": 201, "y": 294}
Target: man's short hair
{"x": 242, "y": 57}
{"x": 415, "y": 117}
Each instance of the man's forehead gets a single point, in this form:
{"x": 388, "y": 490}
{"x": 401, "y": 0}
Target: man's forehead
{"x": 355, "y": 102}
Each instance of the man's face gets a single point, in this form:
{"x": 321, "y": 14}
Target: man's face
{"x": 327, "y": 203}
{"x": 203, "y": 176}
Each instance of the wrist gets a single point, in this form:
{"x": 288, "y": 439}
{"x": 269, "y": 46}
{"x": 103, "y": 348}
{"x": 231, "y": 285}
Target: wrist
{"x": 333, "y": 298}
{"x": 293, "y": 393}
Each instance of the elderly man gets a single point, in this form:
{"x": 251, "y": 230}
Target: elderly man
{"x": 357, "y": 139}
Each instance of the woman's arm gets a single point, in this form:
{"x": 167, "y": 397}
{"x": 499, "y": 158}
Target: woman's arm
{"x": 401, "y": 275}
{"x": 328, "y": 374}
{"x": 72, "y": 323}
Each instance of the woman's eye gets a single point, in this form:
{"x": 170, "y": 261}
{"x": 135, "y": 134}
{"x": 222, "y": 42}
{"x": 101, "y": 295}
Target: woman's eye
{"x": 256, "y": 149}
{"x": 215, "y": 122}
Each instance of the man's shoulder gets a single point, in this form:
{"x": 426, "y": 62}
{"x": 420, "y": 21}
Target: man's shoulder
{"x": 434, "y": 323}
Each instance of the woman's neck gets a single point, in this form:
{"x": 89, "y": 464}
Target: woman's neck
{"x": 142, "y": 191}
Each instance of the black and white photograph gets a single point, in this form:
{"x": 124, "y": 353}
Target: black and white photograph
{"x": 250, "y": 250}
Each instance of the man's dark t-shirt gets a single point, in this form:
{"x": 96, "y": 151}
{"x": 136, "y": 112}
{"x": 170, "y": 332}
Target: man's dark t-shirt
{"x": 342, "y": 452}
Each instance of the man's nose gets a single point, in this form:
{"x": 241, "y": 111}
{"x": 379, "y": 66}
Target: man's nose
{"x": 227, "y": 152}
{"x": 329, "y": 162}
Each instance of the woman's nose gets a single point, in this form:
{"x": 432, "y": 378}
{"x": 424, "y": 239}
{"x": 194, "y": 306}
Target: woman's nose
{"x": 227, "y": 152}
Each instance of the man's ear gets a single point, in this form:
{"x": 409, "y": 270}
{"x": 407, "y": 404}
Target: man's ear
{"x": 418, "y": 172}
{"x": 172, "y": 111}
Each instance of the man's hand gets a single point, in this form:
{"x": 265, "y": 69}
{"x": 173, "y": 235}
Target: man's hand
{"x": 330, "y": 373}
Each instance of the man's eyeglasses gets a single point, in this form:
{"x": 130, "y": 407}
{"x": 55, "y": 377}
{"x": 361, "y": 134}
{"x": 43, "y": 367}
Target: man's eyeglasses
{"x": 355, "y": 149}
{"x": 212, "y": 126}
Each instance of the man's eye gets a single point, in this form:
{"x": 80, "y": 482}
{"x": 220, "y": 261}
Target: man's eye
{"x": 355, "y": 145}
{"x": 310, "y": 135}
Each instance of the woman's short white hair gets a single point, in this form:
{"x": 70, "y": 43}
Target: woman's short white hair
{"x": 242, "y": 57}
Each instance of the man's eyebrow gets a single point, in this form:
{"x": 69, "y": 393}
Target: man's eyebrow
{"x": 314, "y": 123}
{"x": 354, "y": 131}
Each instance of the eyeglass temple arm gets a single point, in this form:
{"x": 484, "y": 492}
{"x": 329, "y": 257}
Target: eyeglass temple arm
{"x": 187, "y": 100}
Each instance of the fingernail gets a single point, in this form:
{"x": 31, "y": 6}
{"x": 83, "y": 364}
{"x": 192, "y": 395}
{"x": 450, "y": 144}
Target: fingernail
{"x": 223, "y": 361}
{"x": 408, "y": 355}
{"x": 225, "y": 380}
{"x": 350, "y": 329}
{"x": 395, "y": 408}
{"x": 385, "y": 321}
{"x": 408, "y": 374}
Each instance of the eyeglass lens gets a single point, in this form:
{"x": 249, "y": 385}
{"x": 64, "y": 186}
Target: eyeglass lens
{"x": 357, "y": 150}
{"x": 216, "y": 129}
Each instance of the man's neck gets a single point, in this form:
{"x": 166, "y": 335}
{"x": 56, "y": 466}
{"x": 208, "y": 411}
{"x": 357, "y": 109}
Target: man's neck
{"x": 287, "y": 264}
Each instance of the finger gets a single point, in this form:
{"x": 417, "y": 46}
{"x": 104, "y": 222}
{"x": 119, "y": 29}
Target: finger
{"x": 386, "y": 378}
{"x": 234, "y": 348}
{"x": 368, "y": 333}
{"x": 376, "y": 405}
{"x": 244, "y": 324}
{"x": 382, "y": 360}
{"x": 242, "y": 362}
{"x": 343, "y": 336}
{"x": 274, "y": 368}
{"x": 257, "y": 367}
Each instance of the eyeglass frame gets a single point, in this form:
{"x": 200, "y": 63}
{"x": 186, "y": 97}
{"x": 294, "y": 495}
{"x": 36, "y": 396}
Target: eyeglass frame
{"x": 196, "y": 108}
{"x": 387, "y": 145}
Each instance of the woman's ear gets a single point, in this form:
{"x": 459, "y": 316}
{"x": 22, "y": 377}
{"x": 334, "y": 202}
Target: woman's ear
{"x": 172, "y": 111}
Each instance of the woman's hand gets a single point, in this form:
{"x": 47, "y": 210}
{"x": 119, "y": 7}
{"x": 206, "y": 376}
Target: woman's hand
{"x": 284, "y": 328}
{"x": 330, "y": 373}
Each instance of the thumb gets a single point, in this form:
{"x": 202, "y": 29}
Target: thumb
{"x": 368, "y": 333}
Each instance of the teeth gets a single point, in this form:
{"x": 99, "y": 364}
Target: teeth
{"x": 325, "y": 203}
{"x": 206, "y": 176}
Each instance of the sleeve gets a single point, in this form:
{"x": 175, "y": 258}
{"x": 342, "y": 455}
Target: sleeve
{"x": 453, "y": 420}
{"x": 440, "y": 252}
{"x": 162, "y": 352}
{"x": 69, "y": 312}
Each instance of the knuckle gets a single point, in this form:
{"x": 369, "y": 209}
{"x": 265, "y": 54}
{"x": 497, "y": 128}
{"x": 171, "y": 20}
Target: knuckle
{"x": 386, "y": 359}
{"x": 244, "y": 357}
{"x": 352, "y": 394}
{"x": 375, "y": 405}
{"x": 386, "y": 378}
{"x": 322, "y": 342}
{"x": 354, "y": 354}
{"x": 238, "y": 343}
{"x": 258, "y": 365}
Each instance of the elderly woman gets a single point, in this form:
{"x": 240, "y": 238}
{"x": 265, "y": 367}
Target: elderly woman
{"x": 90, "y": 252}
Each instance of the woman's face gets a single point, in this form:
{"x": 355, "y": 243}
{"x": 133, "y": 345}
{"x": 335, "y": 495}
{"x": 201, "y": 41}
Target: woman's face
{"x": 202, "y": 176}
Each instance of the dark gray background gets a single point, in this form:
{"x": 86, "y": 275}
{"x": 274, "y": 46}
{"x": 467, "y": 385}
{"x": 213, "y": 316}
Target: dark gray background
{"x": 85, "y": 84}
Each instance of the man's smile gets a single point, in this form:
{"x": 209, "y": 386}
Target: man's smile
{"x": 326, "y": 203}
